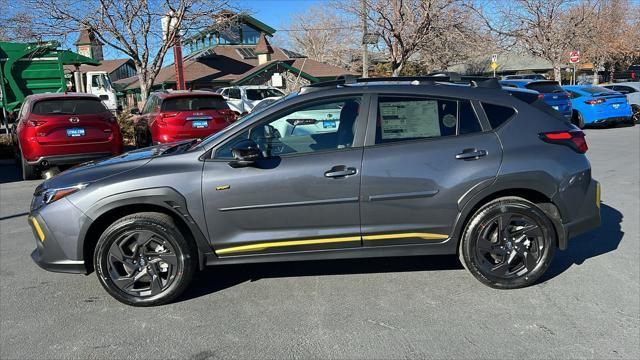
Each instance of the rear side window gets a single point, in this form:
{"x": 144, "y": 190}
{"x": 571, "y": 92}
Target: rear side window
{"x": 194, "y": 103}
{"x": 546, "y": 87}
{"x": 497, "y": 114}
{"x": 404, "y": 119}
{"x": 259, "y": 94}
{"x": 68, "y": 106}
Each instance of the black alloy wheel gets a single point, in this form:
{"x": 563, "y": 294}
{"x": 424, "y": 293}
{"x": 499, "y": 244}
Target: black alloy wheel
{"x": 144, "y": 259}
{"x": 508, "y": 243}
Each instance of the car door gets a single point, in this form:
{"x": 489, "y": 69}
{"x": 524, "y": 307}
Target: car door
{"x": 421, "y": 156}
{"x": 303, "y": 195}
{"x": 234, "y": 100}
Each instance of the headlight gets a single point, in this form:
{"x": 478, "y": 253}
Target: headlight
{"x": 51, "y": 195}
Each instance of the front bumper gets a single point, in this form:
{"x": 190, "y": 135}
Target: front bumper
{"x": 56, "y": 235}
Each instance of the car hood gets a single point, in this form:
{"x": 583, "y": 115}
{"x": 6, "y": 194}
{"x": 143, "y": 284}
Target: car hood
{"x": 101, "y": 169}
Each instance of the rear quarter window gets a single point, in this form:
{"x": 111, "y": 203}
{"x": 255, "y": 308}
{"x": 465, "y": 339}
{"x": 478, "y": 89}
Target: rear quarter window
{"x": 497, "y": 114}
{"x": 69, "y": 106}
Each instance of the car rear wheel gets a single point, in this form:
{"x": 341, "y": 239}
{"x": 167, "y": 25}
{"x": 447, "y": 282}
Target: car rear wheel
{"x": 144, "y": 260}
{"x": 29, "y": 172}
{"x": 578, "y": 120}
{"x": 508, "y": 243}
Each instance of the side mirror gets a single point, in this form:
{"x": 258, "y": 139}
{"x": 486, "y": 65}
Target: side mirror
{"x": 135, "y": 111}
{"x": 245, "y": 153}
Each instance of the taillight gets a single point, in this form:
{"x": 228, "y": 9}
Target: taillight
{"x": 573, "y": 139}
{"x": 540, "y": 96}
{"x": 594, "y": 101}
{"x": 35, "y": 123}
{"x": 169, "y": 115}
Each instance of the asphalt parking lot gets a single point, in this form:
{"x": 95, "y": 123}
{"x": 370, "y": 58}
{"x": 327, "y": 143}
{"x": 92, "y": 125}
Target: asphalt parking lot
{"x": 586, "y": 306}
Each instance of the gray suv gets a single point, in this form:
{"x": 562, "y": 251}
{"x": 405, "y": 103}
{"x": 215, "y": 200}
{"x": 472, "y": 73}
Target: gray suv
{"x": 339, "y": 170}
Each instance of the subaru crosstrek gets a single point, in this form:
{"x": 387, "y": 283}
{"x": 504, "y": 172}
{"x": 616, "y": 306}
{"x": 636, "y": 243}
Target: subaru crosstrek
{"x": 181, "y": 115}
{"x": 56, "y": 129}
{"x": 407, "y": 168}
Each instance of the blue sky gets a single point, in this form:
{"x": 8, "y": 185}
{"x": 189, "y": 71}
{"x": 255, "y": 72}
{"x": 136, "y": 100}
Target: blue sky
{"x": 276, "y": 13}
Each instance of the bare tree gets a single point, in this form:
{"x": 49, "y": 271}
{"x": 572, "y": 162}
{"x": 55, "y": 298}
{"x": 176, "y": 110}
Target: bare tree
{"x": 614, "y": 35}
{"x": 326, "y": 35}
{"x": 406, "y": 26}
{"x": 548, "y": 29}
{"x": 132, "y": 27}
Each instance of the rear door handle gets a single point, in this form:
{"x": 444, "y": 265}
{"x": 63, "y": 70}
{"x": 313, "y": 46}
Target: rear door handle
{"x": 340, "y": 171}
{"x": 471, "y": 154}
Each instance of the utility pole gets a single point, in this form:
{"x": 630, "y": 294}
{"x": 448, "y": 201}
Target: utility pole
{"x": 365, "y": 50}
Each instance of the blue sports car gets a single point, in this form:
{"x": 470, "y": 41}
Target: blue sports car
{"x": 550, "y": 92}
{"x": 598, "y": 105}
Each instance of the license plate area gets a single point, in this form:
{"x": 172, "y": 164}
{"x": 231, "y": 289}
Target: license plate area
{"x": 75, "y": 132}
{"x": 200, "y": 124}
{"x": 329, "y": 124}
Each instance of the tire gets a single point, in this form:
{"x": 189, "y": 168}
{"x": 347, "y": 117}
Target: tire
{"x": 578, "y": 120}
{"x": 517, "y": 262}
{"x": 142, "y": 139}
{"x": 29, "y": 172}
{"x": 635, "y": 118}
{"x": 160, "y": 276}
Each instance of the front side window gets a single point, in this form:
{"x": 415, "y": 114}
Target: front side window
{"x": 328, "y": 125}
{"x": 403, "y": 119}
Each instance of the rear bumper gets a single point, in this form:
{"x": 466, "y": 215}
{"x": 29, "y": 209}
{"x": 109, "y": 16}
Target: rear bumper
{"x": 588, "y": 219}
{"x": 72, "y": 159}
{"x": 612, "y": 120}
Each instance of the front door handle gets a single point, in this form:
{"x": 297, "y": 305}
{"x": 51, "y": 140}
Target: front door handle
{"x": 471, "y": 154}
{"x": 340, "y": 171}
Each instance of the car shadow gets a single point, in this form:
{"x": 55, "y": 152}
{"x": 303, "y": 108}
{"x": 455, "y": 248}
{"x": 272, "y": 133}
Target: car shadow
{"x": 220, "y": 277}
{"x": 599, "y": 241}
{"x": 9, "y": 172}
{"x": 212, "y": 279}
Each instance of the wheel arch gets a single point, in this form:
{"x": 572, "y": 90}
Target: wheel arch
{"x": 162, "y": 200}
{"x": 537, "y": 196}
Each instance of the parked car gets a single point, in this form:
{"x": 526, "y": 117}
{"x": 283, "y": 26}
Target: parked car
{"x": 242, "y": 99}
{"x": 524, "y": 76}
{"x": 551, "y": 92}
{"x": 632, "y": 91}
{"x": 55, "y": 129}
{"x": 413, "y": 168}
{"x": 596, "y": 105}
{"x": 179, "y": 115}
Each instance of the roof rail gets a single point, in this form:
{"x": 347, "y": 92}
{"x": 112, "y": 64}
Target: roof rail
{"x": 344, "y": 80}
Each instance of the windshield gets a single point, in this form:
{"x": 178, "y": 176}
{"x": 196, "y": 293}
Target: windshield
{"x": 193, "y": 103}
{"x": 68, "y": 106}
{"x": 545, "y": 87}
{"x": 238, "y": 123}
{"x": 259, "y": 94}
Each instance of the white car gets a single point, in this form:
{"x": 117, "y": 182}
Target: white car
{"x": 632, "y": 91}
{"x": 242, "y": 99}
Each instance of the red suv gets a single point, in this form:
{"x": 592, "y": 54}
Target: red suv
{"x": 63, "y": 129}
{"x": 179, "y": 115}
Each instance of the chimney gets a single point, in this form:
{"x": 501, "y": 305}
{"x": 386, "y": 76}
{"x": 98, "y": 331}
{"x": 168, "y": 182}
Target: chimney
{"x": 263, "y": 50}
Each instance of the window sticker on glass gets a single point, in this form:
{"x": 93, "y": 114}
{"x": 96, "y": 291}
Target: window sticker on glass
{"x": 409, "y": 119}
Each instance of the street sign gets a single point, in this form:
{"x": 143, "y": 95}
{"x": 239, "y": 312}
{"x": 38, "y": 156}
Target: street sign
{"x": 494, "y": 65}
{"x": 494, "y": 58}
{"x": 574, "y": 57}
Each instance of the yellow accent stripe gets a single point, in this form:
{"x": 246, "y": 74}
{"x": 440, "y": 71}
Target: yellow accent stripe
{"x": 38, "y": 228}
{"x": 598, "y": 195}
{"x": 263, "y": 246}
{"x": 266, "y": 245}
{"x": 425, "y": 236}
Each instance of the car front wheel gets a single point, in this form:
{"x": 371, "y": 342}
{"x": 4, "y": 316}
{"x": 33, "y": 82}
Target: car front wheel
{"x": 508, "y": 243}
{"x": 144, "y": 260}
